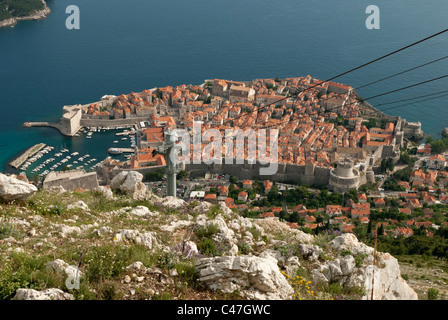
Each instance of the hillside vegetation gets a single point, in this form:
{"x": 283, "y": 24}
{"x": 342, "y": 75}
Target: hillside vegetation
{"x": 19, "y": 8}
{"x": 151, "y": 249}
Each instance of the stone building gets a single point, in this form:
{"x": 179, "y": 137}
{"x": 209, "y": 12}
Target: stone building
{"x": 344, "y": 177}
{"x": 71, "y": 180}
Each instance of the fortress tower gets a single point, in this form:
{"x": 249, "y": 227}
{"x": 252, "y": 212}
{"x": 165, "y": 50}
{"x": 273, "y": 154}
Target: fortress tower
{"x": 344, "y": 177}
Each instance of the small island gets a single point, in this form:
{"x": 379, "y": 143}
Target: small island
{"x": 12, "y": 11}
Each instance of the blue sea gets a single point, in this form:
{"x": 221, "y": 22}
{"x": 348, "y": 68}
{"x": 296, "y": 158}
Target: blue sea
{"x": 129, "y": 46}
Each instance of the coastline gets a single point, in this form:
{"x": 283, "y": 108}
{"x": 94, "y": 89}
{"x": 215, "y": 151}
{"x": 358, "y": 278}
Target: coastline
{"x": 37, "y": 15}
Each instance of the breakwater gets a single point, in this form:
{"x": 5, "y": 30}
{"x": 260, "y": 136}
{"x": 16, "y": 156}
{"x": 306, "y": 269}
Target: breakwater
{"x": 26, "y": 155}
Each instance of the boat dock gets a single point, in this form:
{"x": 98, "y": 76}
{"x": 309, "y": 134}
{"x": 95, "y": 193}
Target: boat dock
{"x": 27, "y": 154}
{"x": 126, "y": 150}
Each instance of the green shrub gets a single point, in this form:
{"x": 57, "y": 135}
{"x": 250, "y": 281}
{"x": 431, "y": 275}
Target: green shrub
{"x": 106, "y": 262}
{"x": 26, "y": 271}
{"x": 243, "y": 248}
{"x": 433, "y": 294}
{"x": 207, "y": 232}
{"x": 207, "y": 247}
{"x": 187, "y": 273}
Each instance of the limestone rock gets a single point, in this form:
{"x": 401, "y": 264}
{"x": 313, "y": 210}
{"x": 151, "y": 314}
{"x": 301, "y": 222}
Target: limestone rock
{"x": 48, "y": 294}
{"x": 310, "y": 252}
{"x": 118, "y": 180}
{"x": 106, "y": 192}
{"x": 203, "y": 207}
{"x": 65, "y": 230}
{"x": 186, "y": 248}
{"x": 62, "y": 267}
{"x": 12, "y": 189}
{"x": 273, "y": 226}
{"x": 143, "y": 212}
{"x": 57, "y": 189}
{"x": 225, "y": 235}
{"x": 388, "y": 283}
{"x": 130, "y": 182}
{"x": 256, "y": 278}
{"x": 103, "y": 231}
{"x": 136, "y": 266}
{"x": 146, "y": 239}
{"x": 173, "y": 202}
{"x": 348, "y": 241}
{"x": 78, "y": 205}
{"x": 176, "y": 225}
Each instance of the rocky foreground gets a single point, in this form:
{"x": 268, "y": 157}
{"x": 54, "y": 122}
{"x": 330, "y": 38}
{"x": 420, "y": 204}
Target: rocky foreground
{"x": 126, "y": 243}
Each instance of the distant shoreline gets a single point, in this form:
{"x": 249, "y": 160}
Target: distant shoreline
{"x": 36, "y": 15}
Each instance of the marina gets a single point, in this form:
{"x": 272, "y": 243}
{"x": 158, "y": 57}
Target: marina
{"x": 76, "y": 152}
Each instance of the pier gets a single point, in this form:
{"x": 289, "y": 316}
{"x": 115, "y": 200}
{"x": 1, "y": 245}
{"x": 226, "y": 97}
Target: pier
{"x": 27, "y": 154}
{"x": 125, "y": 150}
{"x": 56, "y": 125}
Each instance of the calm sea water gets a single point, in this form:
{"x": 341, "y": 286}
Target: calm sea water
{"x": 126, "y": 46}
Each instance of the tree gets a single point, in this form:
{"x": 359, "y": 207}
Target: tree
{"x": 381, "y": 230}
{"x": 369, "y": 227}
{"x": 156, "y": 175}
{"x": 182, "y": 174}
{"x": 438, "y": 146}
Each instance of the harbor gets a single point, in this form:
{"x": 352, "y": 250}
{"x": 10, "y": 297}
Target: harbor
{"x": 85, "y": 151}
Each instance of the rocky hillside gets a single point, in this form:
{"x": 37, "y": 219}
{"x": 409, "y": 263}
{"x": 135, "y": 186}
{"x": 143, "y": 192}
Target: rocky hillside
{"x": 130, "y": 244}
{"x": 12, "y": 11}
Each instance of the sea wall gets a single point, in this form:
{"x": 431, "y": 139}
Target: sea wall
{"x": 111, "y": 122}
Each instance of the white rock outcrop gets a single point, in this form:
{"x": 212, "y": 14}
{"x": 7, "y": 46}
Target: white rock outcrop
{"x": 48, "y": 294}
{"x": 79, "y": 205}
{"x": 130, "y": 182}
{"x": 388, "y": 283}
{"x": 147, "y": 239}
{"x": 224, "y": 236}
{"x": 344, "y": 269}
{"x": 65, "y": 231}
{"x": 144, "y": 212}
{"x": 62, "y": 267}
{"x": 12, "y": 189}
{"x": 274, "y": 226}
{"x": 106, "y": 192}
{"x": 177, "y": 224}
{"x": 256, "y": 278}
{"x": 173, "y": 202}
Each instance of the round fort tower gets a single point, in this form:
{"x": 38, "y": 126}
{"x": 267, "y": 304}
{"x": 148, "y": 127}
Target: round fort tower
{"x": 344, "y": 177}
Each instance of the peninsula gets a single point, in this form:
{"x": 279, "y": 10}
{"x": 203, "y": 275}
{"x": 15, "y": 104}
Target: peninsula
{"x": 12, "y": 11}
{"x": 322, "y": 125}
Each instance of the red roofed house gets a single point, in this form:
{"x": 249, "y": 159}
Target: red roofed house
{"x": 404, "y": 231}
{"x": 412, "y": 204}
{"x": 405, "y": 210}
{"x": 310, "y": 219}
{"x": 362, "y": 198}
{"x": 247, "y": 183}
{"x": 267, "y": 215}
{"x": 242, "y": 196}
{"x": 267, "y": 186}
{"x": 363, "y": 219}
{"x": 210, "y": 197}
{"x": 437, "y": 162}
{"x": 347, "y": 228}
{"x": 333, "y": 210}
{"x": 379, "y": 202}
